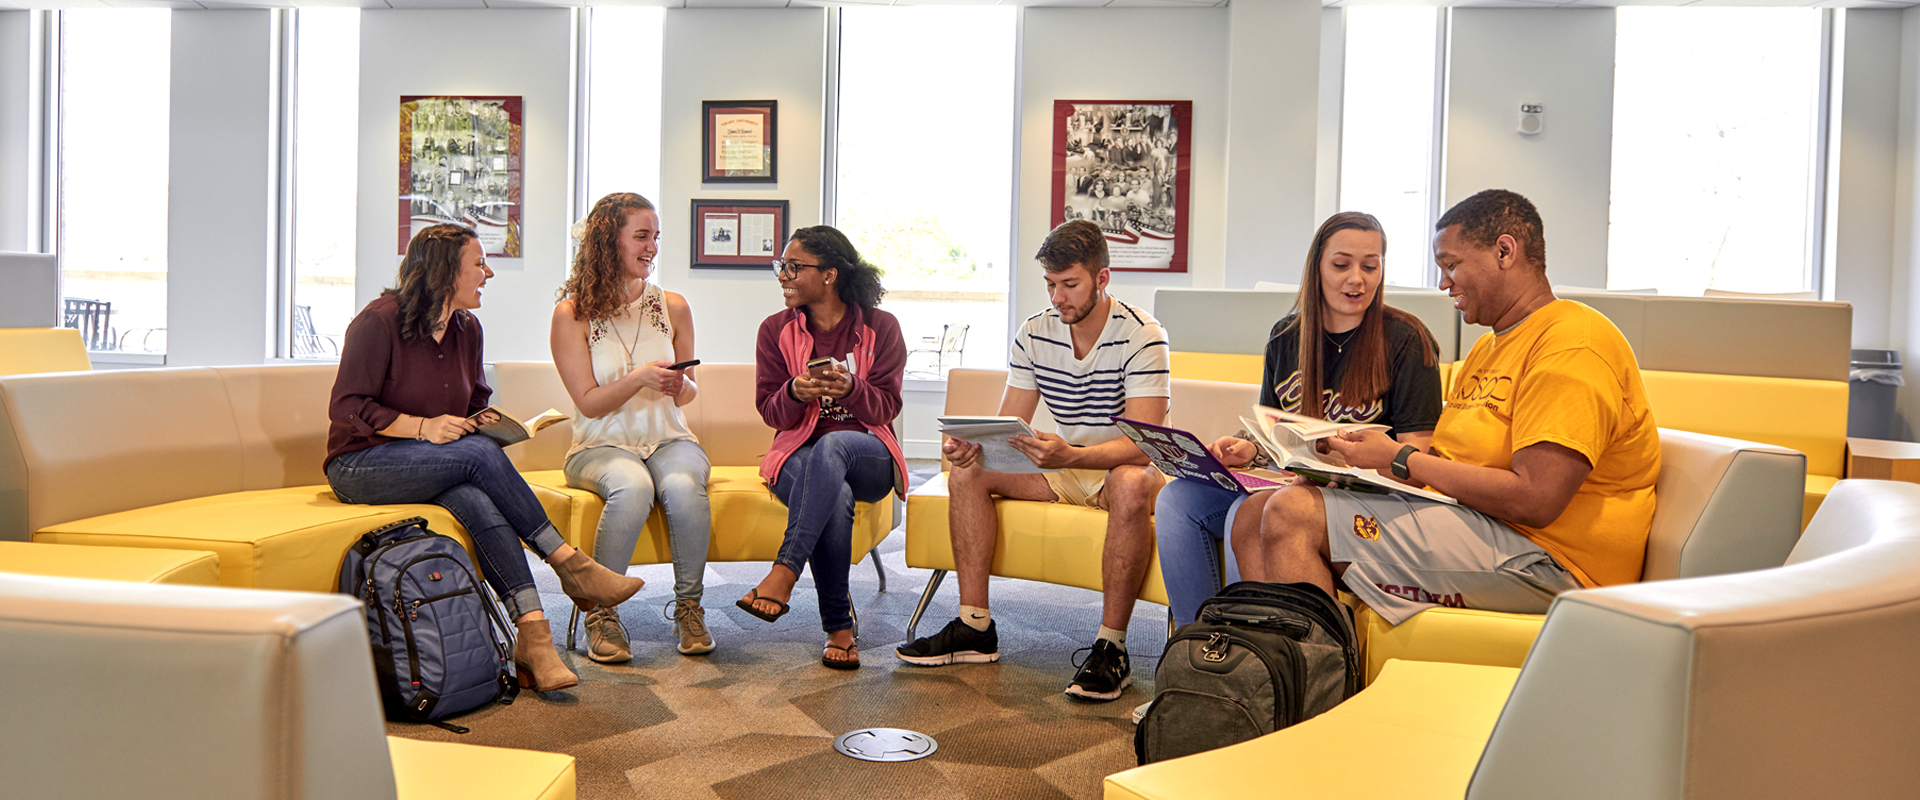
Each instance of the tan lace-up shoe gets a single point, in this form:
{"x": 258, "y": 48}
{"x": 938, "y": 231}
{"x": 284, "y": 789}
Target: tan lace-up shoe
{"x": 690, "y": 624}
{"x": 606, "y": 637}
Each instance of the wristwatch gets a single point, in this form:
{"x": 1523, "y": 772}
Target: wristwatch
{"x": 1400, "y": 462}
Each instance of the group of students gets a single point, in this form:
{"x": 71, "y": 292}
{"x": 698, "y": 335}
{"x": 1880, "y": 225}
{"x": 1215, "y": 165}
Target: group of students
{"x": 1545, "y": 438}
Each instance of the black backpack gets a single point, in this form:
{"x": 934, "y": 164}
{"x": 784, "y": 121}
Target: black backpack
{"x": 440, "y": 647}
{"x": 1260, "y": 657}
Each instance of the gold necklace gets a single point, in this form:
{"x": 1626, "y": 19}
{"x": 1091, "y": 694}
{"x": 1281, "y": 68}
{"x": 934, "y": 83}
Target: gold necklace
{"x": 615, "y": 328}
{"x": 1340, "y": 346}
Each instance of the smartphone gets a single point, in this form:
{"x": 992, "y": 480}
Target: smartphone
{"x": 819, "y": 367}
{"x": 685, "y": 364}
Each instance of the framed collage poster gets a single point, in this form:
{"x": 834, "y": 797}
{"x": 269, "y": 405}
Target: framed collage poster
{"x": 460, "y": 161}
{"x": 739, "y": 141}
{"x": 1125, "y": 166}
{"x": 738, "y": 234}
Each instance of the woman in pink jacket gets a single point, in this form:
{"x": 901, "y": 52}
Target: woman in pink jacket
{"x": 835, "y": 443}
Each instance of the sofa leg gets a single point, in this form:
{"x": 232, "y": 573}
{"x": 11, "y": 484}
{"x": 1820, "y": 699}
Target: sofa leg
{"x": 874, "y": 555}
{"x": 926, "y": 597}
{"x": 573, "y": 623}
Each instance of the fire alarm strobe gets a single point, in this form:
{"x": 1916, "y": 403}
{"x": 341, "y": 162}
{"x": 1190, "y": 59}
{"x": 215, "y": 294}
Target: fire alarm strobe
{"x": 1532, "y": 118}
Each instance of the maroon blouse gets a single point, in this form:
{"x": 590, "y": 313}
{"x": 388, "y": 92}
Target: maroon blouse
{"x": 382, "y": 377}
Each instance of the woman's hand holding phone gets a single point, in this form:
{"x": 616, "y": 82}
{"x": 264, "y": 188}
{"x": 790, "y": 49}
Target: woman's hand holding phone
{"x": 660, "y": 377}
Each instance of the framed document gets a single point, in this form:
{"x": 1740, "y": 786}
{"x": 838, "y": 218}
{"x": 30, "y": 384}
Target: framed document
{"x": 738, "y": 234}
{"x": 740, "y": 141}
{"x": 1125, "y": 166}
{"x": 460, "y": 163}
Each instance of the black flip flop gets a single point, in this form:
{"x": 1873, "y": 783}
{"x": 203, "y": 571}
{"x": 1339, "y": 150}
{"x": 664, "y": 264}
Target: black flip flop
{"x": 753, "y": 596}
{"x": 852, "y": 663}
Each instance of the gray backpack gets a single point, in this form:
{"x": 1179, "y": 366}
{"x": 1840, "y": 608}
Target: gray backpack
{"x": 1260, "y": 657}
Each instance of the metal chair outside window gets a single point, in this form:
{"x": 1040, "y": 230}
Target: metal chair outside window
{"x": 947, "y": 349}
{"x": 92, "y": 318}
{"x": 307, "y": 341}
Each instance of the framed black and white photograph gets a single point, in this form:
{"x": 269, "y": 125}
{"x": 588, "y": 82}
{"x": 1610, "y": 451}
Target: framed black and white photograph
{"x": 738, "y": 234}
{"x": 1124, "y": 165}
{"x": 460, "y": 163}
{"x": 740, "y": 141}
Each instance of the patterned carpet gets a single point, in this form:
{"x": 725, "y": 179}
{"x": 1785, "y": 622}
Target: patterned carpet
{"x": 755, "y": 719}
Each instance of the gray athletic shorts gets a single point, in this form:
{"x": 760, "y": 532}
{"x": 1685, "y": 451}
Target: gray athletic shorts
{"x": 1405, "y": 555}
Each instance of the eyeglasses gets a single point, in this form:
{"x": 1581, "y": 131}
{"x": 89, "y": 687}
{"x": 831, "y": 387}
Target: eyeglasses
{"x": 787, "y": 270}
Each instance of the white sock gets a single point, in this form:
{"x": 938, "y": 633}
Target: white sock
{"x": 976, "y": 617}
{"x": 1111, "y": 635}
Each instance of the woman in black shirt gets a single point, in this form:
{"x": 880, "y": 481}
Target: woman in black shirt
{"x": 1376, "y": 364}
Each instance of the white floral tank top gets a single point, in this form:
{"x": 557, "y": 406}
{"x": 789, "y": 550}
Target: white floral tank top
{"x": 640, "y": 332}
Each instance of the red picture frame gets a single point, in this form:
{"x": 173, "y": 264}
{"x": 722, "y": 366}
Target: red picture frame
{"x": 1126, "y": 165}
{"x": 460, "y": 163}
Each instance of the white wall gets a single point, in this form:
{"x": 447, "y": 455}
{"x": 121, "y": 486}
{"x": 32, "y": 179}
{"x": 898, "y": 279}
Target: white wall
{"x": 17, "y": 74}
{"x": 737, "y": 54}
{"x": 1273, "y": 135}
{"x": 1863, "y": 210}
{"x": 1903, "y": 290}
{"x": 1175, "y": 55}
{"x": 525, "y": 52}
{"x": 221, "y": 209}
{"x": 1562, "y": 57}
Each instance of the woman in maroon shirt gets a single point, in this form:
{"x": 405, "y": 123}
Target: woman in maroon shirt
{"x": 834, "y": 442}
{"x": 396, "y": 437}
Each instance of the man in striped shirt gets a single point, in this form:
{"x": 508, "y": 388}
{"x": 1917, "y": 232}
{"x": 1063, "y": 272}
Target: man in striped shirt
{"x": 1090, "y": 357}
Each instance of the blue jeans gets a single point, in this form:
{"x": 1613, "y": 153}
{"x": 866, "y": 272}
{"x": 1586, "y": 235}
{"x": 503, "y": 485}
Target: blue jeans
{"x": 820, "y": 483}
{"x": 471, "y": 478}
{"x": 677, "y": 473}
{"x": 1189, "y": 522}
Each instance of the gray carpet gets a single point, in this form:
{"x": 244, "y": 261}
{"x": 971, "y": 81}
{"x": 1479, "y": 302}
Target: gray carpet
{"x": 755, "y": 719}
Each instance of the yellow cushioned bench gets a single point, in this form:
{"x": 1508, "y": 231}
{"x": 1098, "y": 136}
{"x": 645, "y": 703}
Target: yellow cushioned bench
{"x": 25, "y": 351}
{"x": 1799, "y": 414}
{"x": 136, "y": 564}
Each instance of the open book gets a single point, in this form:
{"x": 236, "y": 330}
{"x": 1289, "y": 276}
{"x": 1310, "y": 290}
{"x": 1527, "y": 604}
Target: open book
{"x": 509, "y": 430}
{"x": 1180, "y": 454}
{"x": 992, "y": 433}
{"x": 1289, "y": 439}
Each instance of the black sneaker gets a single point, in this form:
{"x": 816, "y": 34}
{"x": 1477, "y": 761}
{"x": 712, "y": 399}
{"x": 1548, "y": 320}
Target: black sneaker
{"x": 958, "y": 643}
{"x": 1104, "y": 675}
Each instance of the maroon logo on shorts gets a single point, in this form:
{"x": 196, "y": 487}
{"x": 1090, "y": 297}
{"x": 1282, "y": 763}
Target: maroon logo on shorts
{"x": 1366, "y": 528}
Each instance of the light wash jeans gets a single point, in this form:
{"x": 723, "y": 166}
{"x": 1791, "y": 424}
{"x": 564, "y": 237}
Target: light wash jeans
{"x": 470, "y": 477}
{"x": 1190, "y": 520}
{"x": 677, "y": 474}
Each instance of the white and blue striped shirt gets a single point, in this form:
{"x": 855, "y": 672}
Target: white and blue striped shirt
{"x": 1129, "y": 360}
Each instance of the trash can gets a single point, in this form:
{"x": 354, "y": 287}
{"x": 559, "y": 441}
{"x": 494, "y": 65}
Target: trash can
{"x": 1872, "y": 386}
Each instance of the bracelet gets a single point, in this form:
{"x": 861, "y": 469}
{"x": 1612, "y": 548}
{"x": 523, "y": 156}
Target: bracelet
{"x": 421, "y": 433}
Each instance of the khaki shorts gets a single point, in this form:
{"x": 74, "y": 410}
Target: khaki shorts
{"x": 1405, "y": 555}
{"x": 1081, "y": 487}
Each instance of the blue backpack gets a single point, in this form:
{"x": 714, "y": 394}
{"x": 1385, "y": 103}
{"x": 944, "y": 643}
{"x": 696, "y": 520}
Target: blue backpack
{"x": 440, "y": 647}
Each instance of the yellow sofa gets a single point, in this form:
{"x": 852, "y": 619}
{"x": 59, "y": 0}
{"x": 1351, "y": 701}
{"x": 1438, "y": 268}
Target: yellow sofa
{"x": 228, "y": 460}
{"x": 175, "y": 692}
{"x": 1788, "y": 682}
{"x": 137, "y": 564}
{"x": 24, "y": 351}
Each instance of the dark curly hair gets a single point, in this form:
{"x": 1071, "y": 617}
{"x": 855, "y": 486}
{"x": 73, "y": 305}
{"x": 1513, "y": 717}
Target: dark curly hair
{"x": 426, "y": 277}
{"x": 596, "y": 281}
{"x": 1485, "y": 216}
{"x": 859, "y": 281}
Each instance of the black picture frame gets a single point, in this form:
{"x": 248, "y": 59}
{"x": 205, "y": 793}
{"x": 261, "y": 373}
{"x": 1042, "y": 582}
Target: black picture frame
{"x": 746, "y": 116}
{"x": 739, "y": 226}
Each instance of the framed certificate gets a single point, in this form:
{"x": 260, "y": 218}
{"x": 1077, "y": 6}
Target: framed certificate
{"x": 738, "y": 234}
{"x": 740, "y": 141}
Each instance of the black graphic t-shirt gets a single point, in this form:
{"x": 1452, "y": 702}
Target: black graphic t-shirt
{"x": 1411, "y": 403}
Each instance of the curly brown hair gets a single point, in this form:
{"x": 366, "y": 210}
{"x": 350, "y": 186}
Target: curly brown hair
{"x": 426, "y": 278}
{"x": 596, "y": 282}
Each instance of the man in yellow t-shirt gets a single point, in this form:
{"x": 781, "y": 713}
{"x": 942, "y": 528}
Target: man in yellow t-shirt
{"x": 1546, "y": 441}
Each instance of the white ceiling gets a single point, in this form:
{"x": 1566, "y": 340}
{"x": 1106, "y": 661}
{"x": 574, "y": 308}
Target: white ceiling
{"x": 216, "y": 4}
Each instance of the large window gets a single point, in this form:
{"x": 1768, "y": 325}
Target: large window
{"x": 623, "y": 107}
{"x": 1714, "y": 116}
{"x": 925, "y": 179}
{"x": 326, "y": 136}
{"x": 1387, "y": 129}
{"x": 113, "y": 176}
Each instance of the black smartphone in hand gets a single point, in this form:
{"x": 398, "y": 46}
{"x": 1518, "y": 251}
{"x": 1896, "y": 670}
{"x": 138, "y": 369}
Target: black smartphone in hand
{"x": 685, "y": 364}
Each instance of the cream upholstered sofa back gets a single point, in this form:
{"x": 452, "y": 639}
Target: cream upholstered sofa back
{"x": 1789, "y": 682}
{"x": 156, "y": 691}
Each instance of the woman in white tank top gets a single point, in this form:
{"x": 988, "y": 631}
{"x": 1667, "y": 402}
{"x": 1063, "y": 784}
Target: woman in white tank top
{"x": 615, "y": 333}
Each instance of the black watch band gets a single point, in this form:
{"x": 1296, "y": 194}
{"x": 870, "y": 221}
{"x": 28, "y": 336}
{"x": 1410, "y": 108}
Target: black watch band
{"x": 1400, "y": 462}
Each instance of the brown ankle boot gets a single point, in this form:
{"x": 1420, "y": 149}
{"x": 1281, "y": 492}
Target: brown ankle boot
{"x": 535, "y": 663}
{"x": 590, "y": 584}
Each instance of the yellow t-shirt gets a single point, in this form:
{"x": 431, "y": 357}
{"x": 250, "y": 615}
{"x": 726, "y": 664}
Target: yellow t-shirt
{"x": 1564, "y": 375}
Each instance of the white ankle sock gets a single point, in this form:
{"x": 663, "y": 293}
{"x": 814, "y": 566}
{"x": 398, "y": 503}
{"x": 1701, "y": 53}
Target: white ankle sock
{"x": 976, "y": 617}
{"x": 1111, "y": 635}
